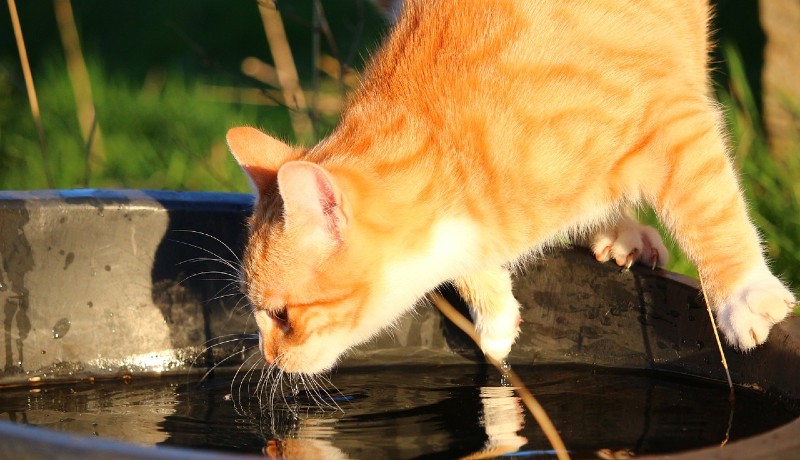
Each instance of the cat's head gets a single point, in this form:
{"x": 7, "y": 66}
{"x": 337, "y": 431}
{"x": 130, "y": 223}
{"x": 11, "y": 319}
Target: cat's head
{"x": 309, "y": 269}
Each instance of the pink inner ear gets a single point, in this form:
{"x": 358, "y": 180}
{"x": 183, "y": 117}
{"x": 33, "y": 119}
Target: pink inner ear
{"x": 308, "y": 191}
{"x": 258, "y": 154}
{"x": 327, "y": 197}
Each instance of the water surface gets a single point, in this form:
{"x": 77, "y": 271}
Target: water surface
{"x": 406, "y": 412}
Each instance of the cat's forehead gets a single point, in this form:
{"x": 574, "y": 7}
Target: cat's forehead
{"x": 271, "y": 302}
{"x": 276, "y": 282}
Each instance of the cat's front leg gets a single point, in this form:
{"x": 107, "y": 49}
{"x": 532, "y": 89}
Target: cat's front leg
{"x": 494, "y": 309}
{"x": 625, "y": 241}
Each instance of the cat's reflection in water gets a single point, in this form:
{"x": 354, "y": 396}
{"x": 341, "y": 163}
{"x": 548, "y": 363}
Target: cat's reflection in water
{"x": 503, "y": 418}
{"x": 312, "y": 440}
{"x": 495, "y": 411}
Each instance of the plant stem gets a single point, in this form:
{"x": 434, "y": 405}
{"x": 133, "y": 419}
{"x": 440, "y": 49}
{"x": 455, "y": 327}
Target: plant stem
{"x": 287, "y": 71}
{"x": 32, "y": 99}
{"x": 81, "y": 88}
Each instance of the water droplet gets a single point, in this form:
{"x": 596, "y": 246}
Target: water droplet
{"x": 506, "y": 367}
{"x": 61, "y": 328}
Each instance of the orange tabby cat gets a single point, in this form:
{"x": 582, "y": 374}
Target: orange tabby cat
{"x": 481, "y": 132}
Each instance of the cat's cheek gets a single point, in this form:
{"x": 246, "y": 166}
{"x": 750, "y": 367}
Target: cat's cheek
{"x": 266, "y": 341}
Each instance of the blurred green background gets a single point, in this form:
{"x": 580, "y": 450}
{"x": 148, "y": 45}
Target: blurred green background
{"x": 167, "y": 81}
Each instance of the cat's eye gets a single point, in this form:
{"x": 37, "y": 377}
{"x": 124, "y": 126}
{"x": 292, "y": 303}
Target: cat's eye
{"x": 280, "y": 316}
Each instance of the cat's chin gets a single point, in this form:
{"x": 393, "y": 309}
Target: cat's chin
{"x": 309, "y": 359}
{"x": 307, "y": 367}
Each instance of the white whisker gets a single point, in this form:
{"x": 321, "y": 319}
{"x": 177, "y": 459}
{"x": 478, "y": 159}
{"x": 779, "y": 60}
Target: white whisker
{"x": 215, "y": 239}
{"x": 224, "y": 360}
{"x": 245, "y": 377}
{"x": 329, "y": 383}
{"x": 227, "y": 340}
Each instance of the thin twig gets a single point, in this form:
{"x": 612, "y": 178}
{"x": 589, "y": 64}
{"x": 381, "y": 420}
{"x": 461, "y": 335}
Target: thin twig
{"x": 533, "y": 406}
{"x": 325, "y": 28}
{"x": 316, "y": 55}
{"x": 732, "y": 396}
{"x": 32, "y": 99}
{"x": 356, "y": 36}
{"x": 287, "y": 71}
{"x": 88, "y": 147}
{"x": 81, "y": 86}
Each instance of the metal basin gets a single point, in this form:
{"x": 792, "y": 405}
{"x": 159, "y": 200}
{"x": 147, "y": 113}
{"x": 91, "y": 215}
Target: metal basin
{"x": 110, "y": 285}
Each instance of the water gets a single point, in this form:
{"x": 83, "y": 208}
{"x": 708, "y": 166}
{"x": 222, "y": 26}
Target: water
{"x": 405, "y": 412}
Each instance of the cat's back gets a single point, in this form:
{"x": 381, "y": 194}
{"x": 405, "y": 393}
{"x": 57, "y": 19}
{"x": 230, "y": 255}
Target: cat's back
{"x": 452, "y": 45}
{"x": 536, "y": 92}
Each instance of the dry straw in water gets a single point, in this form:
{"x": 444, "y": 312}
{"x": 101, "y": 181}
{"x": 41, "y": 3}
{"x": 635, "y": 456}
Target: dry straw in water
{"x": 533, "y": 406}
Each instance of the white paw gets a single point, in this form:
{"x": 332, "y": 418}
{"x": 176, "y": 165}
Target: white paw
{"x": 628, "y": 242}
{"x": 499, "y": 331}
{"x": 747, "y": 315}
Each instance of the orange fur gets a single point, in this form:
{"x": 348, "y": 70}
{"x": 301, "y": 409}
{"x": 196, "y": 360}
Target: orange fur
{"x": 481, "y": 132}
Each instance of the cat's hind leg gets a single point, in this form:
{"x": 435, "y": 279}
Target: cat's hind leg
{"x": 699, "y": 199}
{"x": 493, "y": 308}
{"x": 625, "y": 241}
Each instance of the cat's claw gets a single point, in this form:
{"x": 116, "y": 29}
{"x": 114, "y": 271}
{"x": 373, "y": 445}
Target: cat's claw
{"x": 746, "y": 316}
{"x": 627, "y": 242}
{"x": 653, "y": 260}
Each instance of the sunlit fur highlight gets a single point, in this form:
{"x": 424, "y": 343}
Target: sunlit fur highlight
{"x": 507, "y": 124}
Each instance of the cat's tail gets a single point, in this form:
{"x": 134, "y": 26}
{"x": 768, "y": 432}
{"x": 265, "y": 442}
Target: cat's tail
{"x": 700, "y": 200}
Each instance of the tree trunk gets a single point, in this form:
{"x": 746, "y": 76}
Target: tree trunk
{"x": 781, "y": 75}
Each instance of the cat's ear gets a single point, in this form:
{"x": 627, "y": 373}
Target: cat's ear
{"x": 258, "y": 154}
{"x": 311, "y": 199}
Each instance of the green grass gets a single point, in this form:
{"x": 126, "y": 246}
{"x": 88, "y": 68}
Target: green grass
{"x": 170, "y": 137}
{"x": 148, "y": 69}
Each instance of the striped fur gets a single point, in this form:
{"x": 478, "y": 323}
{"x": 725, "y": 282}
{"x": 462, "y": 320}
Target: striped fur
{"x": 481, "y": 132}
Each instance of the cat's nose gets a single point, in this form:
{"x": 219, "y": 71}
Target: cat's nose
{"x": 269, "y": 356}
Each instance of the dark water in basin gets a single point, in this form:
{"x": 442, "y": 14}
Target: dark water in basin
{"x": 407, "y": 412}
